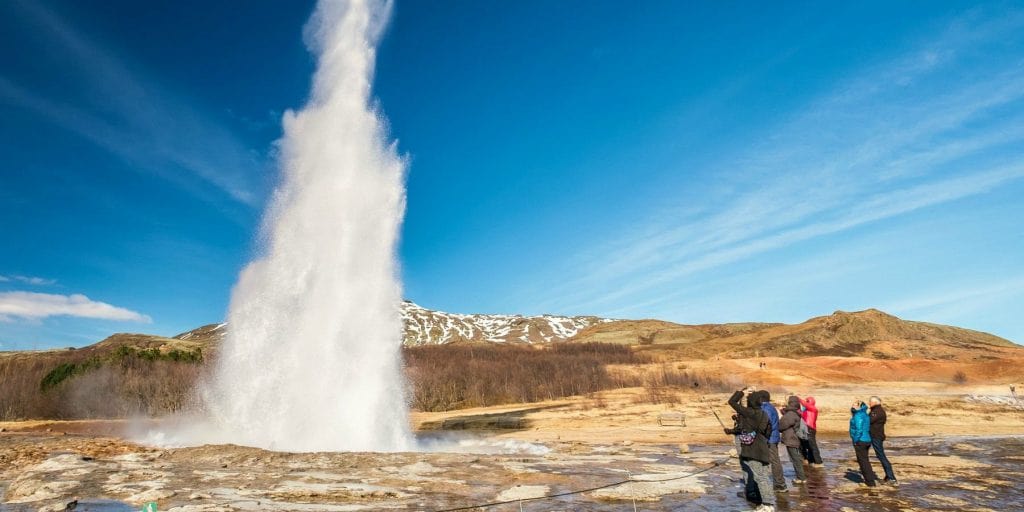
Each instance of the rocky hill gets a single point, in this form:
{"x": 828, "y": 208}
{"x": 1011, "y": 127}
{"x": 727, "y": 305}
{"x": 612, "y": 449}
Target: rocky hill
{"x": 871, "y": 333}
{"x": 660, "y": 332}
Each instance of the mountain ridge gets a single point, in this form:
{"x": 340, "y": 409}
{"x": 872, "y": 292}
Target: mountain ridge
{"x": 869, "y": 333}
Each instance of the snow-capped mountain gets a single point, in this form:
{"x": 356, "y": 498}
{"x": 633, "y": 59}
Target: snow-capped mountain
{"x": 427, "y": 327}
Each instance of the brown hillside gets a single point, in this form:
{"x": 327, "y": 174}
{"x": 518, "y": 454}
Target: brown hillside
{"x": 659, "y": 332}
{"x": 113, "y": 342}
{"x": 869, "y": 333}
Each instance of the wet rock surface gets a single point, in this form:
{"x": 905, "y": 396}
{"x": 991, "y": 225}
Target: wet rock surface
{"x": 45, "y": 472}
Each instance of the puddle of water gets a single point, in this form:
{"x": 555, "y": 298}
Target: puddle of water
{"x": 447, "y": 442}
{"x": 87, "y": 505}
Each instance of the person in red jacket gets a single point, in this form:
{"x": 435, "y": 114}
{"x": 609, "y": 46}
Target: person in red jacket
{"x": 809, "y": 446}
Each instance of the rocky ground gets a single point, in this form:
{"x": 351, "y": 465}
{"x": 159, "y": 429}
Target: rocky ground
{"x": 954, "y": 449}
{"x": 47, "y": 471}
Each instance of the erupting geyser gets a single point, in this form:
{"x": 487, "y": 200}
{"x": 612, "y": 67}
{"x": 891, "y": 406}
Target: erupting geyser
{"x": 312, "y": 359}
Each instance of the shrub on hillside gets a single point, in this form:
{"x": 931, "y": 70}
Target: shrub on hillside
{"x": 663, "y": 384}
{"x": 75, "y": 384}
{"x": 460, "y": 376}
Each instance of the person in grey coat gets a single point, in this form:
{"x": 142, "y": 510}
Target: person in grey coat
{"x": 788, "y": 424}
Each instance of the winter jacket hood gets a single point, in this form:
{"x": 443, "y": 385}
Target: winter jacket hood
{"x": 755, "y": 399}
{"x": 860, "y": 424}
{"x": 789, "y": 422}
{"x": 810, "y": 415}
{"x": 793, "y": 403}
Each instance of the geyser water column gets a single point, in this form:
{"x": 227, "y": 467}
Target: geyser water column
{"x": 312, "y": 357}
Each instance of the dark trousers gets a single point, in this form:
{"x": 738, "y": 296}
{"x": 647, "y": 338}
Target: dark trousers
{"x": 809, "y": 447}
{"x": 865, "y": 465}
{"x": 776, "y": 463}
{"x": 880, "y": 453}
{"x": 758, "y": 485}
{"x": 797, "y": 461}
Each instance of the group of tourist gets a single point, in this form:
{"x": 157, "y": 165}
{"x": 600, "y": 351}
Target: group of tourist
{"x": 760, "y": 427}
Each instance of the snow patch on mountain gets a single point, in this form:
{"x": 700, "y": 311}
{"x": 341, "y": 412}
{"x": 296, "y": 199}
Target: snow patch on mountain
{"x": 428, "y": 327}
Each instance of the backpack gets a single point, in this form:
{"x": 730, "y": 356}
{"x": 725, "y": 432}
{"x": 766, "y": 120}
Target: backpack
{"x": 802, "y": 431}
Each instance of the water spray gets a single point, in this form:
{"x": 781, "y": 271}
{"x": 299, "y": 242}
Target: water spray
{"x": 312, "y": 358}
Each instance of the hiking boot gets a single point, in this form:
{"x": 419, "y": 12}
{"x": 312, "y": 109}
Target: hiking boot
{"x": 892, "y": 482}
{"x": 797, "y": 481}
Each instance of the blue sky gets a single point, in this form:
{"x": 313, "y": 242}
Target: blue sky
{"x": 691, "y": 162}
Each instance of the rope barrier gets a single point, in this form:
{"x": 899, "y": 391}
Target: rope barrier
{"x": 716, "y": 464}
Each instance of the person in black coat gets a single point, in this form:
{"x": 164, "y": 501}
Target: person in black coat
{"x": 755, "y": 429}
{"x": 877, "y": 429}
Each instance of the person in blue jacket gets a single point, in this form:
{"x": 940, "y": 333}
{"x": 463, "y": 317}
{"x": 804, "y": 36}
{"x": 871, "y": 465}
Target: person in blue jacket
{"x": 860, "y": 434}
{"x": 778, "y": 480}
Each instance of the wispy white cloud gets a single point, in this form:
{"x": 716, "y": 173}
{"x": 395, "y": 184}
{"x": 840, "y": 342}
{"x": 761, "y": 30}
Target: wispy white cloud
{"x": 134, "y": 118}
{"x": 37, "y": 306}
{"x": 881, "y": 144}
{"x": 877, "y": 208}
{"x": 32, "y": 280}
{"x": 957, "y": 297}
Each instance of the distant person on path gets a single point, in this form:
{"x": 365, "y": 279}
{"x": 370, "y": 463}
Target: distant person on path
{"x": 810, "y": 445}
{"x": 755, "y": 428}
{"x": 860, "y": 433}
{"x": 877, "y": 431}
{"x": 788, "y": 424}
{"x": 778, "y": 480}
